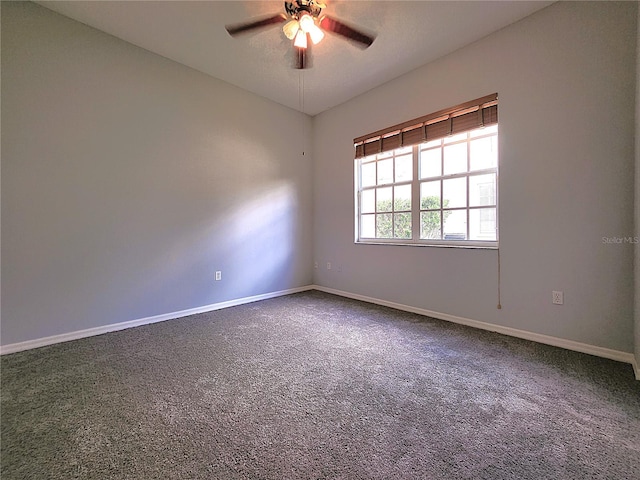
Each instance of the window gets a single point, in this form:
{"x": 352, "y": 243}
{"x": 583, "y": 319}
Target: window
{"x": 440, "y": 189}
{"x": 385, "y": 198}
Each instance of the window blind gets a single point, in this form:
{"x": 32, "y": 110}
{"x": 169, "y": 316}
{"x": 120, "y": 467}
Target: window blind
{"x": 477, "y": 113}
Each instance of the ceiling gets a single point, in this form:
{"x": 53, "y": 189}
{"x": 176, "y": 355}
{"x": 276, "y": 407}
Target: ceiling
{"x": 408, "y": 34}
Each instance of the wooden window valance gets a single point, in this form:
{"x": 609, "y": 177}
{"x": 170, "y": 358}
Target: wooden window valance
{"x": 477, "y": 113}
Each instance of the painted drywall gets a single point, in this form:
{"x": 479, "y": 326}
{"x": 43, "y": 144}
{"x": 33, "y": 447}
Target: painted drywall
{"x": 128, "y": 180}
{"x": 565, "y": 77}
{"x": 637, "y": 206}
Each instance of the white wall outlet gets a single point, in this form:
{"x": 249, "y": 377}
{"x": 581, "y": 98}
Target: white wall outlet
{"x": 218, "y": 276}
{"x": 328, "y": 265}
{"x": 557, "y": 297}
{"x": 315, "y": 265}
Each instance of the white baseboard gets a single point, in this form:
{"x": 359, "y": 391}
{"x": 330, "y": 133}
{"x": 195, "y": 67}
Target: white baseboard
{"x": 89, "y": 332}
{"x": 513, "y": 332}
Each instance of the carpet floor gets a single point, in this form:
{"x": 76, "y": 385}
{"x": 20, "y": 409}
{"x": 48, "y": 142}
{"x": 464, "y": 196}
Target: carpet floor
{"x": 315, "y": 386}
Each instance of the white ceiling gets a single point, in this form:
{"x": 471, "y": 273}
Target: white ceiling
{"x": 409, "y": 34}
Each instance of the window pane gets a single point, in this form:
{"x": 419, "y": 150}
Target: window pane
{"x": 367, "y": 201}
{"x": 383, "y": 225}
{"x": 383, "y": 199}
{"x": 368, "y": 175}
{"x": 482, "y": 224}
{"x": 482, "y": 190}
{"x": 454, "y": 191}
{"x": 430, "y": 163}
{"x": 455, "y": 224}
{"x": 404, "y": 168}
{"x": 367, "y": 226}
{"x": 402, "y": 198}
{"x": 430, "y": 195}
{"x": 484, "y": 153}
{"x": 455, "y": 158}
{"x": 385, "y": 171}
{"x": 430, "y": 225}
{"x": 402, "y": 225}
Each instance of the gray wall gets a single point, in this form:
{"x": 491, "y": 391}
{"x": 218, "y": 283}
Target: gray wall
{"x": 637, "y": 206}
{"x": 565, "y": 77}
{"x": 128, "y": 180}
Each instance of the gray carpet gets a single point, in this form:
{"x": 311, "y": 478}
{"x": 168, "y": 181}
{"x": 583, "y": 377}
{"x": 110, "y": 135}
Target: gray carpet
{"x": 315, "y": 386}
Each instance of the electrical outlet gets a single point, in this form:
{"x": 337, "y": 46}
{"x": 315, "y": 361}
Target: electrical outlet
{"x": 328, "y": 265}
{"x": 218, "y": 276}
{"x": 315, "y": 265}
{"x": 557, "y": 297}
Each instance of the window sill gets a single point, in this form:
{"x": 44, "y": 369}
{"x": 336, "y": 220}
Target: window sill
{"x": 466, "y": 245}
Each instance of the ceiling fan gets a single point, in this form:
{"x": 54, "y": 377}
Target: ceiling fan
{"x": 304, "y": 22}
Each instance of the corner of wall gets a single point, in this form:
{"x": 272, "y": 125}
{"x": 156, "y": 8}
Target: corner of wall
{"x": 637, "y": 208}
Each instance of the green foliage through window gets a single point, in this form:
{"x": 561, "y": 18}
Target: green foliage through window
{"x": 398, "y": 223}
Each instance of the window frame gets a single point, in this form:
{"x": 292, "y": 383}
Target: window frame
{"x": 417, "y": 181}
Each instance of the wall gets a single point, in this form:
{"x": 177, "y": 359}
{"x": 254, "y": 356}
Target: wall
{"x": 128, "y": 180}
{"x": 637, "y": 206}
{"x": 564, "y": 77}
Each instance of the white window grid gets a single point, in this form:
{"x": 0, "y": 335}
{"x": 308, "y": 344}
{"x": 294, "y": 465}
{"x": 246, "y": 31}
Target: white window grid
{"x": 486, "y": 208}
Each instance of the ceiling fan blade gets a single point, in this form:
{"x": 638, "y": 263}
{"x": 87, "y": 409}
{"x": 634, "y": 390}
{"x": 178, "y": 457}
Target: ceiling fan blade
{"x": 301, "y": 57}
{"x": 340, "y": 28}
{"x": 239, "y": 28}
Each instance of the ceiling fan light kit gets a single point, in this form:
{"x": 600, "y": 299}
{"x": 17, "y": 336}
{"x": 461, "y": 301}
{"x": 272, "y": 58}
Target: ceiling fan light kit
{"x": 301, "y": 39}
{"x": 316, "y": 34}
{"x": 290, "y": 29}
{"x": 303, "y": 22}
{"x": 306, "y": 22}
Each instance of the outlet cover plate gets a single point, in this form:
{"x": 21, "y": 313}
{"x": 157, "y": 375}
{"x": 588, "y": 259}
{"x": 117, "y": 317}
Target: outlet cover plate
{"x": 557, "y": 297}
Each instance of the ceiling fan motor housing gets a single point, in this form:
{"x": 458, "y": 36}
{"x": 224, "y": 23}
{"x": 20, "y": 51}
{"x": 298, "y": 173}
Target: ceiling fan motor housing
{"x": 295, "y": 8}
